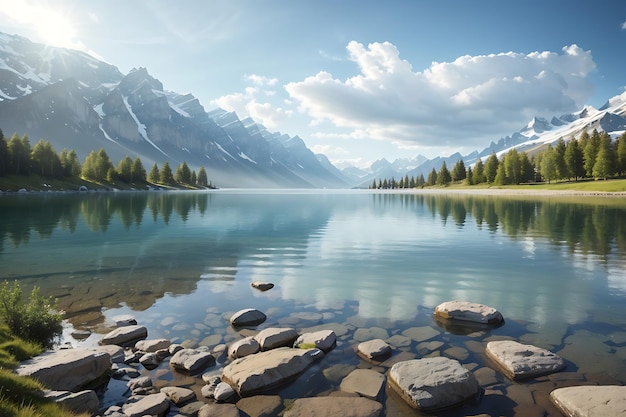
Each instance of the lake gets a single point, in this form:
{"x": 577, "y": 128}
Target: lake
{"x": 182, "y": 262}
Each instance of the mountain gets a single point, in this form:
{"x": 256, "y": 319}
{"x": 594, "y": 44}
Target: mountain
{"x": 78, "y": 102}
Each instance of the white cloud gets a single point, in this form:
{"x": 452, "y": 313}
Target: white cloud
{"x": 624, "y": 26}
{"x": 467, "y": 102}
{"x": 260, "y": 80}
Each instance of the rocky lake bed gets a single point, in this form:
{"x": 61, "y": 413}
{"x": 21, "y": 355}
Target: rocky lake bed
{"x": 306, "y": 361}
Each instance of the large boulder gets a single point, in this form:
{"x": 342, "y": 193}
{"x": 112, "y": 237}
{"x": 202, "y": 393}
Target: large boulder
{"x": 519, "y": 361}
{"x": 321, "y": 339}
{"x": 431, "y": 384}
{"x": 179, "y": 395}
{"x": 334, "y": 407}
{"x": 265, "y": 370}
{"x": 192, "y": 360}
{"x": 603, "y": 400}
{"x": 274, "y": 337}
{"x": 376, "y": 349}
{"x": 244, "y": 347}
{"x": 247, "y": 317}
{"x": 146, "y": 405}
{"x": 466, "y": 311}
{"x": 152, "y": 345}
{"x": 125, "y": 335}
{"x": 79, "y": 402}
{"x": 67, "y": 369}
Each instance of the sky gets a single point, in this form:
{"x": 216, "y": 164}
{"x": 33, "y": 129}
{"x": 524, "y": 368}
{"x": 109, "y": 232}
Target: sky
{"x": 357, "y": 80}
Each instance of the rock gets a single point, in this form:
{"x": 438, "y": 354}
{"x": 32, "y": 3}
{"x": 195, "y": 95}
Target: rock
{"x": 124, "y": 320}
{"x": 365, "y": 382}
{"x": 66, "y": 370}
{"x": 334, "y": 407}
{"x": 223, "y": 391}
{"x": 465, "y": 311}
{"x": 208, "y": 390}
{"x": 140, "y": 382}
{"x": 260, "y": 405}
{"x": 126, "y": 371}
{"x": 192, "y": 360}
{"x": 175, "y": 348}
{"x": 363, "y": 334}
{"x": 115, "y": 352}
{"x": 433, "y": 383}
{"x": 274, "y": 337}
{"x": 374, "y": 349}
{"x": 79, "y": 402}
{"x": 191, "y": 409}
{"x": 152, "y": 345}
{"x": 603, "y": 400}
{"x": 247, "y": 317}
{"x": 322, "y": 339}
{"x": 519, "y": 361}
{"x": 150, "y": 360}
{"x": 179, "y": 395}
{"x": 81, "y": 334}
{"x": 150, "y": 405}
{"x": 244, "y": 347}
{"x": 266, "y": 369}
{"x": 420, "y": 334}
{"x": 125, "y": 335}
{"x": 221, "y": 410}
{"x": 399, "y": 341}
{"x": 262, "y": 286}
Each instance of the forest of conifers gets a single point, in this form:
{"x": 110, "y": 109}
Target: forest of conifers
{"x": 588, "y": 156}
{"x": 17, "y": 157}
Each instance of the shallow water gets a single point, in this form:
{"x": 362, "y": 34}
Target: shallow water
{"x": 181, "y": 263}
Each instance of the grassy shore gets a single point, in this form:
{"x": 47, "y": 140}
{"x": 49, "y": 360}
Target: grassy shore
{"x": 616, "y": 187}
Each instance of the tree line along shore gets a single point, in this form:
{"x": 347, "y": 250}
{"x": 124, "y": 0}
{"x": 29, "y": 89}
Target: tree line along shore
{"x": 590, "y": 156}
{"x": 19, "y": 160}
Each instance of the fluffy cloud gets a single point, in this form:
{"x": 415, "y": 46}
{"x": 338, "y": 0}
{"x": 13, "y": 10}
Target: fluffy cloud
{"x": 248, "y": 103}
{"x": 470, "y": 101}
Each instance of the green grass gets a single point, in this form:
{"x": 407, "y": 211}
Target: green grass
{"x": 600, "y": 186}
{"x": 18, "y": 394}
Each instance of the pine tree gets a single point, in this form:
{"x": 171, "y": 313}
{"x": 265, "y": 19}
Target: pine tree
{"x": 45, "y": 160}
{"x": 574, "y": 160}
{"x": 4, "y": 155}
{"x": 194, "y": 177}
{"x": 203, "y": 181}
{"x": 183, "y": 174}
{"x": 138, "y": 172}
{"x": 154, "y": 176}
{"x": 443, "y": 176}
{"x": 491, "y": 168}
{"x": 70, "y": 163}
{"x": 527, "y": 168}
{"x": 621, "y": 154}
{"x": 590, "y": 152}
{"x": 562, "y": 170}
{"x": 166, "y": 175}
{"x": 479, "y": 172}
{"x": 432, "y": 178}
{"x": 459, "y": 173}
{"x": 548, "y": 165}
{"x": 603, "y": 167}
{"x": 19, "y": 155}
{"x": 469, "y": 176}
{"x": 124, "y": 169}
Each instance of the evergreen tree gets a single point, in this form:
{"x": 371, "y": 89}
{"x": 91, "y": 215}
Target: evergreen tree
{"x": 432, "y": 178}
{"x": 562, "y": 171}
{"x": 479, "y": 172}
{"x": 574, "y": 160}
{"x": 406, "y": 181}
{"x": 443, "y": 176}
{"x": 194, "y": 177}
{"x": 603, "y": 167}
{"x": 459, "y": 173}
{"x": 166, "y": 175}
{"x": 4, "y": 155}
{"x": 70, "y": 163}
{"x": 501, "y": 178}
{"x": 138, "y": 172}
{"x": 401, "y": 183}
{"x": 124, "y": 169}
{"x": 469, "y": 176}
{"x": 491, "y": 168}
{"x": 203, "y": 181}
{"x": 45, "y": 160}
{"x": 527, "y": 168}
{"x": 111, "y": 174}
{"x": 412, "y": 183}
{"x": 385, "y": 184}
{"x": 154, "y": 176}
{"x": 621, "y": 154}
{"x": 183, "y": 174}
{"x": 548, "y": 165}
{"x": 19, "y": 155}
{"x": 590, "y": 152}
{"x": 421, "y": 181}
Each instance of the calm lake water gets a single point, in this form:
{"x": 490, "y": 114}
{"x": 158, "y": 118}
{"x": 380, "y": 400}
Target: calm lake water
{"x": 354, "y": 261}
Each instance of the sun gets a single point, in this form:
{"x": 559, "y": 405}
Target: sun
{"x": 48, "y": 24}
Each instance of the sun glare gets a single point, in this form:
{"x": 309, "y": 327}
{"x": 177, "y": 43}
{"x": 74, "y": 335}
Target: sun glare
{"x": 52, "y": 26}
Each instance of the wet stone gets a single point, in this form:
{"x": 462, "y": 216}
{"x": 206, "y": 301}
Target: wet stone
{"x": 590, "y": 400}
{"x": 307, "y": 316}
{"x": 260, "y": 405}
{"x": 486, "y": 376}
{"x": 519, "y": 361}
{"x": 400, "y": 357}
{"x": 466, "y": 311}
{"x": 365, "y": 382}
{"x": 457, "y": 353}
{"x": 334, "y": 406}
{"x": 375, "y": 349}
{"x": 420, "y": 334}
{"x": 363, "y": 334}
{"x": 399, "y": 341}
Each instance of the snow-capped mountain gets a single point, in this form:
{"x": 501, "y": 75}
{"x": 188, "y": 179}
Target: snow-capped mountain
{"x": 78, "y": 102}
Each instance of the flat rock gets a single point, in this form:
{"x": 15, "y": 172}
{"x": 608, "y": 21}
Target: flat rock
{"x": 79, "y": 402}
{"x": 420, "y": 334}
{"x": 192, "y": 360}
{"x": 262, "y": 286}
{"x": 374, "y": 349}
{"x": 433, "y": 383}
{"x": 274, "y": 337}
{"x": 244, "y": 347}
{"x": 334, "y": 407}
{"x": 152, "y": 345}
{"x": 223, "y": 392}
{"x": 179, "y": 395}
{"x": 322, "y": 339}
{"x": 365, "y": 382}
{"x": 519, "y": 361}
{"x": 466, "y": 311}
{"x": 221, "y": 410}
{"x": 260, "y": 405}
{"x": 67, "y": 369}
{"x": 124, "y": 320}
{"x": 248, "y": 317}
{"x": 125, "y": 335}
{"x": 363, "y": 334}
{"x": 146, "y": 405}
{"x": 602, "y": 400}
{"x": 265, "y": 370}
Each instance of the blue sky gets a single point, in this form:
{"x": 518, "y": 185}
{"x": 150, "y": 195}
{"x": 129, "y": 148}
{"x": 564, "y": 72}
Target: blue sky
{"x": 358, "y": 80}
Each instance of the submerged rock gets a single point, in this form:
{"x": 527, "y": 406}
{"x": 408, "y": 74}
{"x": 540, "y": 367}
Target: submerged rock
{"x": 365, "y": 382}
{"x": 79, "y": 402}
{"x": 519, "y": 361}
{"x": 376, "y": 349}
{"x": 322, "y": 339}
{"x": 433, "y": 383}
{"x": 124, "y": 335}
{"x": 334, "y": 407}
{"x": 247, "y": 317}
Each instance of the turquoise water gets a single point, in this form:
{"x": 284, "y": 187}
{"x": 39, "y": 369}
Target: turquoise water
{"x": 182, "y": 262}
